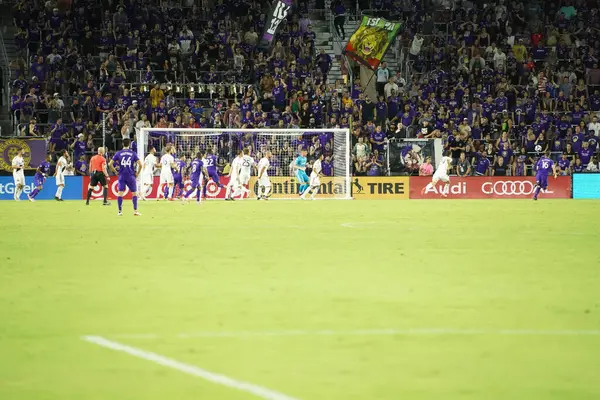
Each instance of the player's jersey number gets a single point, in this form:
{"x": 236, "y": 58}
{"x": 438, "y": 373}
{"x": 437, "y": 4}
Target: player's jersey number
{"x": 125, "y": 162}
{"x": 209, "y": 162}
{"x": 194, "y": 168}
{"x": 545, "y": 165}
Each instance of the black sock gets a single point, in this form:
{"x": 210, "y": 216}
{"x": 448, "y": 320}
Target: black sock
{"x": 105, "y": 194}
{"x": 89, "y": 195}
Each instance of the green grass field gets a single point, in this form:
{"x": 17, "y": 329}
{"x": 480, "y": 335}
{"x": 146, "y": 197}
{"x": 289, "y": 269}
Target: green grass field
{"x": 317, "y": 300}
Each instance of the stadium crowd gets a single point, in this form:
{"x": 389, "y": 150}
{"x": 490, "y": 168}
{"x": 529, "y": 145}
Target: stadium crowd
{"x": 498, "y": 82}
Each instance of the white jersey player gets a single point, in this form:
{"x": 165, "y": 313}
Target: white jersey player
{"x": 315, "y": 179}
{"x": 167, "y": 164}
{"x": 147, "y": 175}
{"x": 264, "y": 183}
{"x": 59, "y": 174}
{"x": 18, "y": 165}
{"x": 441, "y": 174}
{"x": 234, "y": 184}
{"x": 247, "y": 164}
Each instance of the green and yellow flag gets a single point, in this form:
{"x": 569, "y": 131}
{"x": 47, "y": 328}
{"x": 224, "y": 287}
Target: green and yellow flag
{"x": 370, "y": 41}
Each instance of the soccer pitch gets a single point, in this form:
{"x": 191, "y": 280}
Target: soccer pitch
{"x": 306, "y": 300}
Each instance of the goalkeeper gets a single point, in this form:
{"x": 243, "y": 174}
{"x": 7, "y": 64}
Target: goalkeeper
{"x": 300, "y": 167}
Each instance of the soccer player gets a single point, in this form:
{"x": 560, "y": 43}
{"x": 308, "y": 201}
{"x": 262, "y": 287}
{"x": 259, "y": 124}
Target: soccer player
{"x": 543, "y": 168}
{"x": 300, "y": 167}
{"x": 247, "y": 163}
{"x": 210, "y": 163}
{"x": 167, "y": 163}
{"x": 40, "y": 177}
{"x": 196, "y": 168}
{"x": 150, "y": 164}
{"x": 99, "y": 176}
{"x": 315, "y": 179}
{"x": 441, "y": 174}
{"x": 59, "y": 174}
{"x": 178, "y": 175}
{"x": 129, "y": 168}
{"x": 234, "y": 176}
{"x": 18, "y": 164}
{"x": 264, "y": 183}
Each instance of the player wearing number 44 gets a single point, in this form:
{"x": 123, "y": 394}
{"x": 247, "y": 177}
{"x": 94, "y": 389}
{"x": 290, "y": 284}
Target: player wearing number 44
{"x": 129, "y": 168}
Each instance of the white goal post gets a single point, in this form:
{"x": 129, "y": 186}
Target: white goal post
{"x": 284, "y": 145}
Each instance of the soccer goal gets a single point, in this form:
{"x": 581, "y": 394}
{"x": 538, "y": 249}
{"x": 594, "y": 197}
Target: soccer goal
{"x": 284, "y": 145}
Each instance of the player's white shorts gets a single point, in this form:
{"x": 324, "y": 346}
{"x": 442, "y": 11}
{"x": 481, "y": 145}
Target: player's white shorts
{"x": 147, "y": 179}
{"x": 244, "y": 179}
{"x": 264, "y": 181}
{"x": 19, "y": 178}
{"x": 60, "y": 179}
{"x": 314, "y": 180}
{"x": 441, "y": 176}
{"x": 166, "y": 178}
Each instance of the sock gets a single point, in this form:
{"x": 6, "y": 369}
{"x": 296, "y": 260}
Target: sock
{"x": 105, "y": 193}
{"x": 34, "y": 193}
{"x": 228, "y": 192}
{"x": 59, "y": 191}
{"x": 314, "y": 192}
{"x": 246, "y": 190}
{"x": 166, "y": 191}
{"x": 189, "y": 193}
{"x": 429, "y": 186}
{"x": 170, "y": 191}
{"x": 120, "y": 202}
{"x": 204, "y": 191}
{"x": 134, "y": 201}
{"x": 447, "y": 188}
{"x": 236, "y": 192}
{"x": 18, "y": 193}
{"x": 267, "y": 191}
{"x": 89, "y": 195}
{"x": 199, "y": 195}
{"x": 537, "y": 191}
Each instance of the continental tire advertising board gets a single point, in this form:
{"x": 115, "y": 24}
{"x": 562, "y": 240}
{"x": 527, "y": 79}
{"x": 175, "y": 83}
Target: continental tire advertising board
{"x": 380, "y": 187}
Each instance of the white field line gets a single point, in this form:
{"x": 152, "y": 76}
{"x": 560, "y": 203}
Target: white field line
{"x": 256, "y": 390}
{"x": 369, "y": 332}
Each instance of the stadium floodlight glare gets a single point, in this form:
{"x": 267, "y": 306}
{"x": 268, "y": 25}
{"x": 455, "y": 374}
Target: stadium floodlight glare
{"x": 284, "y": 145}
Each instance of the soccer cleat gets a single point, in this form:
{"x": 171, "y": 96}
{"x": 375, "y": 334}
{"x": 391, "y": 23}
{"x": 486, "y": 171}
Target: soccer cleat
{"x": 120, "y": 214}
{"x": 87, "y": 203}
{"x": 106, "y": 203}
{"x": 31, "y": 198}
{"x": 534, "y": 197}
{"x": 56, "y": 198}
{"x": 136, "y": 213}
{"x": 302, "y": 197}
{"x": 60, "y": 200}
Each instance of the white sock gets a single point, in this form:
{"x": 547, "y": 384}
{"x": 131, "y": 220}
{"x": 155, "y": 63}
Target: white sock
{"x": 267, "y": 191}
{"x": 59, "y": 192}
{"x": 171, "y": 188}
{"x": 314, "y": 192}
{"x": 228, "y": 192}
{"x": 237, "y": 192}
{"x": 429, "y": 186}
{"x": 446, "y": 188}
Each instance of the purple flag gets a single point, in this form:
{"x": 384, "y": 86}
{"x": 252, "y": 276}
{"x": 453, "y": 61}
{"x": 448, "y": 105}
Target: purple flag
{"x": 34, "y": 152}
{"x": 279, "y": 11}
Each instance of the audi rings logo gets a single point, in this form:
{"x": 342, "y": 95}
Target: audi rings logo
{"x": 508, "y": 188}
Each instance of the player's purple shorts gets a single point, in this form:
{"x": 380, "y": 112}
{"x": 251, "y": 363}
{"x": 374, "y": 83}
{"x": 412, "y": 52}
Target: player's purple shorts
{"x": 127, "y": 181}
{"x": 38, "y": 180}
{"x": 195, "y": 182}
{"x": 541, "y": 180}
{"x": 215, "y": 177}
{"x": 178, "y": 180}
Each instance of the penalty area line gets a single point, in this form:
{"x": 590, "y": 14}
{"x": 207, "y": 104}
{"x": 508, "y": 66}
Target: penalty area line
{"x": 189, "y": 369}
{"x": 369, "y": 332}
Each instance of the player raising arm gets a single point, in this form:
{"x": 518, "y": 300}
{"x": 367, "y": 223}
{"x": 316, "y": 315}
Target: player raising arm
{"x": 441, "y": 174}
{"x": 40, "y": 177}
{"x": 150, "y": 164}
{"x": 300, "y": 167}
{"x": 543, "y": 168}
{"x": 18, "y": 164}
{"x": 264, "y": 183}
{"x": 99, "y": 176}
{"x": 234, "y": 175}
{"x": 130, "y": 166}
{"x": 59, "y": 174}
{"x": 196, "y": 168}
{"x": 167, "y": 163}
{"x": 315, "y": 179}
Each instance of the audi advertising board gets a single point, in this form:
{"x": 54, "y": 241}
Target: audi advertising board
{"x": 490, "y": 187}
{"x": 212, "y": 191}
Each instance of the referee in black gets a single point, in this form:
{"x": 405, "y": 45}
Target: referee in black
{"x": 99, "y": 176}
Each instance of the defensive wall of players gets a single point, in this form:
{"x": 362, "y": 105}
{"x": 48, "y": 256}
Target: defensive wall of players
{"x": 579, "y": 186}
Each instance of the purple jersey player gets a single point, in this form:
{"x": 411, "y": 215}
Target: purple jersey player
{"x": 543, "y": 168}
{"x": 178, "y": 174}
{"x": 196, "y": 177}
{"x": 129, "y": 168}
{"x": 210, "y": 163}
{"x": 40, "y": 177}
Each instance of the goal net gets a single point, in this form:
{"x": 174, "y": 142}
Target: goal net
{"x": 284, "y": 144}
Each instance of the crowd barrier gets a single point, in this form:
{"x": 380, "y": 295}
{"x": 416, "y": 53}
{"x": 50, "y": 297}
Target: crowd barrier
{"x": 581, "y": 186}
{"x": 586, "y": 186}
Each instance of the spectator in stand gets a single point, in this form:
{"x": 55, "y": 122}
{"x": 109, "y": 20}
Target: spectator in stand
{"x": 463, "y": 167}
{"x": 426, "y": 169}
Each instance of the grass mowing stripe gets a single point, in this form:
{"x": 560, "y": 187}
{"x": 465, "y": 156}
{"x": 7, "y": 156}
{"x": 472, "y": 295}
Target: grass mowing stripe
{"x": 256, "y": 390}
